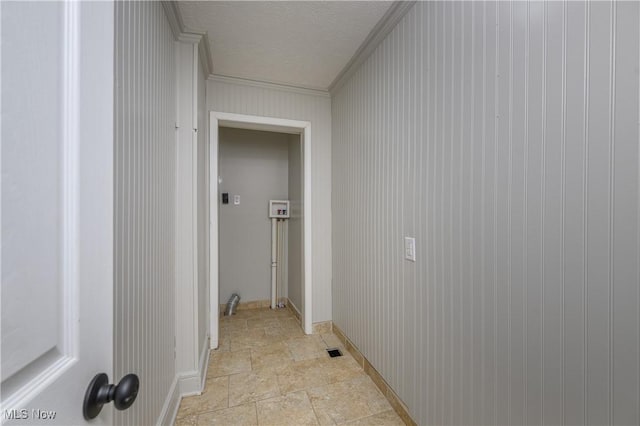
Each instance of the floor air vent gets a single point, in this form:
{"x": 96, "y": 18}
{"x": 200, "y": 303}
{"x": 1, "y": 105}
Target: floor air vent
{"x": 334, "y": 352}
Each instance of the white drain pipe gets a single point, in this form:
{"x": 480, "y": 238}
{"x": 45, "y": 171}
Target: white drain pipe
{"x": 274, "y": 261}
{"x": 278, "y": 209}
{"x": 280, "y": 274}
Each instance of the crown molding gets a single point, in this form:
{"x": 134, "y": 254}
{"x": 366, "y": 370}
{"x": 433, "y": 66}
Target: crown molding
{"x": 186, "y": 35}
{"x": 204, "y": 51}
{"x": 174, "y": 17}
{"x": 386, "y": 24}
{"x": 269, "y": 85}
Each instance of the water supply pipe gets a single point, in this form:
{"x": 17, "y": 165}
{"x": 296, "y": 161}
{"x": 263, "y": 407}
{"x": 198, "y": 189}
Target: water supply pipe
{"x": 274, "y": 261}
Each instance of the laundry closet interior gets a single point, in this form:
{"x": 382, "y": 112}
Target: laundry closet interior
{"x": 260, "y": 218}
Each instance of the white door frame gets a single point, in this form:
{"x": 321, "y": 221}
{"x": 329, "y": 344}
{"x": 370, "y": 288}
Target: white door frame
{"x": 218, "y": 119}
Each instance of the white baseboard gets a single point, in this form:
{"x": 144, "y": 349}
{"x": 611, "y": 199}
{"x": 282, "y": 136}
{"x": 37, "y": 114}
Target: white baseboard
{"x": 185, "y": 384}
{"x": 192, "y": 382}
{"x": 204, "y": 362}
{"x": 189, "y": 383}
{"x": 170, "y": 407}
{"x": 295, "y": 308}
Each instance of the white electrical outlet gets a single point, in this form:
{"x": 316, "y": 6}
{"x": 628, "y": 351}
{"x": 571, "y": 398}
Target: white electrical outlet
{"x": 410, "y": 248}
{"x": 236, "y": 200}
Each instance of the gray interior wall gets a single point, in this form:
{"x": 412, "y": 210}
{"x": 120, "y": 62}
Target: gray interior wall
{"x": 504, "y": 137}
{"x": 254, "y": 165}
{"x": 203, "y": 211}
{"x": 295, "y": 223}
{"x": 145, "y": 200}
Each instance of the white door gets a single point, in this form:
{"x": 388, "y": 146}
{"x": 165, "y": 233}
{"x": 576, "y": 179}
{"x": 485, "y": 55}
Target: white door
{"x": 56, "y": 207}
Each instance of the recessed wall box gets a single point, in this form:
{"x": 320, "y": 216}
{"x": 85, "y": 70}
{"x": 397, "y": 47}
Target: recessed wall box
{"x": 279, "y": 209}
{"x": 225, "y": 198}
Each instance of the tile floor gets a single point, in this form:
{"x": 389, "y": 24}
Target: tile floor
{"x": 268, "y": 372}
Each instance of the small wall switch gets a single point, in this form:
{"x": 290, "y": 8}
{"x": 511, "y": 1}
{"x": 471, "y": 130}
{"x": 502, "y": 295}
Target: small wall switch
{"x": 410, "y": 248}
{"x": 236, "y": 200}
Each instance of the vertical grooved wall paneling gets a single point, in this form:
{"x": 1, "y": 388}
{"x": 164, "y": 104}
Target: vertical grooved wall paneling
{"x": 240, "y": 98}
{"x": 203, "y": 211}
{"x": 144, "y": 241}
{"x": 504, "y": 137}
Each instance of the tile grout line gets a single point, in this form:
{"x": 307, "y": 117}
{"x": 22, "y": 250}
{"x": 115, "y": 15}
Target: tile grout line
{"x": 228, "y": 391}
{"x": 255, "y": 410}
{"x": 312, "y": 406}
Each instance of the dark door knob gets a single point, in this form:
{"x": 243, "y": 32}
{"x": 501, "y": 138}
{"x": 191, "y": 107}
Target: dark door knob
{"x": 100, "y": 392}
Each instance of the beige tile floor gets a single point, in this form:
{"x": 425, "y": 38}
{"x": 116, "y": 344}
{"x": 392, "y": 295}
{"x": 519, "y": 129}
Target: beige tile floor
{"x": 268, "y": 372}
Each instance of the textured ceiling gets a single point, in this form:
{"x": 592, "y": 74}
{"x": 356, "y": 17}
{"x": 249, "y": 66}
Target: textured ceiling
{"x": 302, "y": 44}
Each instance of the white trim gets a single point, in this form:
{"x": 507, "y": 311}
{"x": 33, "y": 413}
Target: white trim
{"x": 39, "y": 384}
{"x": 240, "y": 120}
{"x": 187, "y": 344}
{"x": 311, "y": 91}
{"x": 214, "y": 309}
{"x": 170, "y": 406}
{"x": 189, "y": 383}
{"x": 207, "y": 177}
{"x": 308, "y": 271}
{"x": 190, "y": 38}
{"x": 174, "y": 17}
{"x": 186, "y": 35}
{"x": 71, "y": 187}
{"x": 205, "y": 54}
{"x": 386, "y": 24}
{"x": 204, "y": 364}
{"x": 194, "y": 200}
{"x": 192, "y": 382}
{"x": 294, "y": 307}
{"x": 185, "y": 384}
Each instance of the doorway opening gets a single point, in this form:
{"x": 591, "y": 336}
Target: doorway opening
{"x": 224, "y": 127}
{"x": 260, "y": 218}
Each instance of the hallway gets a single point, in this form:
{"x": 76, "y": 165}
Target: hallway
{"x": 454, "y": 187}
{"x": 267, "y": 372}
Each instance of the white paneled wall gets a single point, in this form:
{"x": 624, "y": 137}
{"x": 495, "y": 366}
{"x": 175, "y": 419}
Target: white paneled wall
{"x": 271, "y": 101}
{"x": 504, "y": 137}
{"x": 191, "y": 218}
{"x": 186, "y": 213}
{"x": 203, "y": 211}
{"x": 144, "y": 245}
